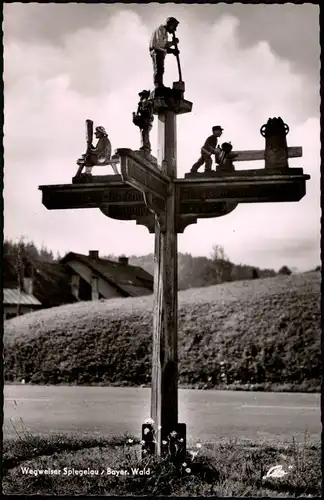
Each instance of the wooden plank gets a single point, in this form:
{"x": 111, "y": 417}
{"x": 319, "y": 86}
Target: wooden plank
{"x": 242, "y": 191}
{"x": 75, "y": 196}
{"x": 95, "y": 179}
{"x": 258, "y": 154}
{"x": 123, "y": 196}
{"x": 115, "y": 161}
{"x": 146, "y": 160}
{"x": 140, "y": 177}
{"x": 132, "y": 211}
{"x": 58, "y": 199}
{"x": 207, "y": 210}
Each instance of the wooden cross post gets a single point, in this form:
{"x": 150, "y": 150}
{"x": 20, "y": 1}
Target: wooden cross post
{"x": 149, "y": 192}
{"x": 161, "y": 200}
{"x": 164, "y": 388}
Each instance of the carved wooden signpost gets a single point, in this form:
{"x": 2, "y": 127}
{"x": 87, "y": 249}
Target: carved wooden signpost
{"x": 149, "y": 192}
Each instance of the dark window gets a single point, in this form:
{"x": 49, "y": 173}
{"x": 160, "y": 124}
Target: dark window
{"x": 84, "y": 290}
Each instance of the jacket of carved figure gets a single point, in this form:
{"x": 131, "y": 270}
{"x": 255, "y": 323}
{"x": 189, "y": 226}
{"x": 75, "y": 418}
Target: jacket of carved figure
{"x": 102, "y": 149}
{"x": 159, "y": 39}
{"x": 145, "y": 110}
{"x": 210, "y": 145}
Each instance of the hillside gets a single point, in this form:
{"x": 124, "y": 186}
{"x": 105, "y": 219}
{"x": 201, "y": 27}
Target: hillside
{"x": 263, "y": 332}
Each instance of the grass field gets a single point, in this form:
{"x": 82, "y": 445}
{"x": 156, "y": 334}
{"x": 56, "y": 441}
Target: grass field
{"x": 260, "y": 334}
{"x": 67, "y": 465}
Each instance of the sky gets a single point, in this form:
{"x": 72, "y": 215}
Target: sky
{"x": 242, "y": 64}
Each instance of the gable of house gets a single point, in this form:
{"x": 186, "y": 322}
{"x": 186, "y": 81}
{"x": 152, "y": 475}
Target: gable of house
{"x": 88, "y": 274}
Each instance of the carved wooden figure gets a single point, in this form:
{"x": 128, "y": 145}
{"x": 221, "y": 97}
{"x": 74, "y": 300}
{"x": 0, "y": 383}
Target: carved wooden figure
{"x": 224, "y": 158}
{"x": 208, "y": 149}
{"x": 143, "y": 119}
{"x": 99, "y": 155}
{"x": 160, "y": 46}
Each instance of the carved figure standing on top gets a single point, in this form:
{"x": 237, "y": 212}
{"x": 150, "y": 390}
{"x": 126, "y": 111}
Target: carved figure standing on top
{"x": 95, "y": 155}
{"x": 143, "y": 119}
{"x": 209, "y": 148}
{"x": 160, "y": 46}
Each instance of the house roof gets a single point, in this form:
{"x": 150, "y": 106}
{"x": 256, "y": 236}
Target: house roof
{"x": 52, "y": 283}
{"x": 14, "y": 297}
{"x": 129, "y": 280}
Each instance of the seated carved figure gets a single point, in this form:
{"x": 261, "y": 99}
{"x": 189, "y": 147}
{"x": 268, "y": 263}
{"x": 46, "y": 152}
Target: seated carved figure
{"x": 224, "y": 158}
{"x": 99, "y": 154}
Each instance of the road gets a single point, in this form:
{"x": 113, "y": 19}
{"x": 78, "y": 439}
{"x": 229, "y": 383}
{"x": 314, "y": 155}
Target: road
{"x": 209, "y": 415}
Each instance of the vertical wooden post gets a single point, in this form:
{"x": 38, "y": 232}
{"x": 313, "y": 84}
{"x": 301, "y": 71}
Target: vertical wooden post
{"x": 164, "y": 390}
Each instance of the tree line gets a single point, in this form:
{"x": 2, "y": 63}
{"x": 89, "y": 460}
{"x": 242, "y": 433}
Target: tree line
{"x": 196, "y": 272}
{"x": 193, "y": 272}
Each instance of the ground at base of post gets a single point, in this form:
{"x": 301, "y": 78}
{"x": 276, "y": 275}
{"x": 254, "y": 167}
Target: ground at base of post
{"x": 83, "y": 465}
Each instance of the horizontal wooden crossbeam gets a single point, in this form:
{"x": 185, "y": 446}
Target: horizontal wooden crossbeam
{"x": 253, "y": 189}
{"x": 247, "y": 189}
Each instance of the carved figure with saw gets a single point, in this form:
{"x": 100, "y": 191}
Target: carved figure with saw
{"x": 95, "y": 155}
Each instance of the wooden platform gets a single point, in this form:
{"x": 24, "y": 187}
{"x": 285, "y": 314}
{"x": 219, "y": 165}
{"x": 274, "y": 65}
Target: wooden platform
{"x": 172, "y": 99}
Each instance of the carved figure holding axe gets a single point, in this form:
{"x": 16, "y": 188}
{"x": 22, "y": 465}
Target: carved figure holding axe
{"x": 95, "y": 155}
{"x": 160, "y": 46}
